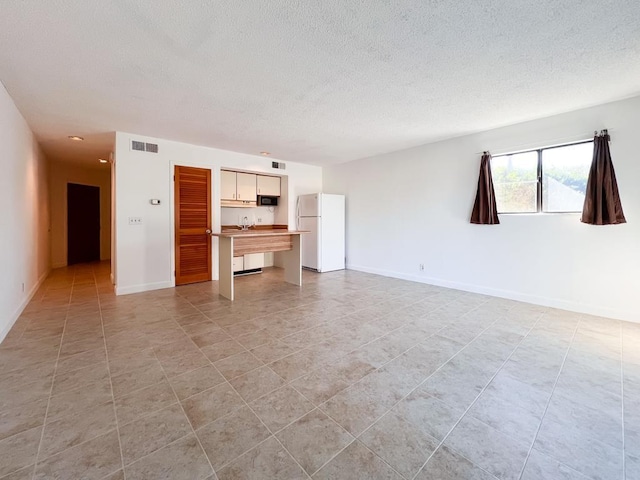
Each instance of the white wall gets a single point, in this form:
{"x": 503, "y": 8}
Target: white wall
{"x": 60, "y": 174}
{"x": 145, "y": 253}
{"x": 24, "y": 216}
{"x": 229, "y": 215}
{"x": 413, "y": 206}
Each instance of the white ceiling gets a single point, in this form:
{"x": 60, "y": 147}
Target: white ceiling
{"x": 316, "y": 82}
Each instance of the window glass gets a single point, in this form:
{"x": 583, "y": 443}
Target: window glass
{"x": 565, "y": 171}
{"x": 515, "y": 180}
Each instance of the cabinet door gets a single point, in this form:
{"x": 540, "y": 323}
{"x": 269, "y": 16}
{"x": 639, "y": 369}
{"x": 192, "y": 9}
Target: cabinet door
{"x": 246, "y": 186}
{"x": 268, "y": 185}
{"x": 227, "y": 185}
{"x": 253, "y": 260}
{"x": 238, "y": 264}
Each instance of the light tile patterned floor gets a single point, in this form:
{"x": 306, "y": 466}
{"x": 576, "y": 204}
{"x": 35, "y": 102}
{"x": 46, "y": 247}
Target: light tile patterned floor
{"x": 354, "y": 376}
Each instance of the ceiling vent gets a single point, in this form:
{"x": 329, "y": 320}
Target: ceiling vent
{"x": 144, "y": 147}
{"x": 279, "y": 165}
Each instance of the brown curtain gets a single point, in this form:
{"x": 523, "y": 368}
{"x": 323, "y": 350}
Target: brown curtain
{"x": 602, "y": 204}
{"x": 485, "y": 211}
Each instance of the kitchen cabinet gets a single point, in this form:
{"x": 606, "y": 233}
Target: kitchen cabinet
{"x": 246, "y": 187}
{"x": 238, "y": 264}
{"x": 227, "y": 185}
{"x": 253, "y": 260}
{"x": 268, "y": 185}
{"x": 238, "y": 186}
{"x": 249, "y": 261}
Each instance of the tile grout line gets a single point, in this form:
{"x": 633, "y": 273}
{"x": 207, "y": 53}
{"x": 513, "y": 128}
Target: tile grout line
{"x": 246, "y": 404}
{"x": 546, "y": 408}
{"x": 193, "y": 431}
{"x": 113, "y": 397}
{"x": 408, "y": 394}
{"x": 479, "y": 394}
{"x": 53, "y": 379}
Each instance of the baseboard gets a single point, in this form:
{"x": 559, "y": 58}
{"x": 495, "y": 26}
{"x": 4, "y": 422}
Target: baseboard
{"x": 14, "y": 318}
{"x": 146, "y": 287}
{"x": 508, "y": 294}
{"x": 59, "y": 265}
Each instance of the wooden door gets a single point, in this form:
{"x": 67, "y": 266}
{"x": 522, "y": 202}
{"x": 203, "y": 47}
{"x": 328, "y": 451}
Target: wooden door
{"x": 83, "y": 223}
{"x": 192, "y": 220}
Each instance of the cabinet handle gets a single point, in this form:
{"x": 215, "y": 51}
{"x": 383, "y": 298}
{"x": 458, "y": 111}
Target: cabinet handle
{"x": 234, "y": 195}
{"x": 238, "y": 196}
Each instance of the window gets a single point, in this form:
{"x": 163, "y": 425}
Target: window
{"x": 552, "y": 179}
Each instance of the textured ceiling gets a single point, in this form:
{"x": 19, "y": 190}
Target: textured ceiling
{"x": 315, "y": 82}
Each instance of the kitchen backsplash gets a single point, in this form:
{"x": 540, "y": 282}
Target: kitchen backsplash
{"x": 233, "y": 216}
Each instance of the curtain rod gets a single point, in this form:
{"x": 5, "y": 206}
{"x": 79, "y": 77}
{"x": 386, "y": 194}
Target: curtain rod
{"x": 555, "y": 142}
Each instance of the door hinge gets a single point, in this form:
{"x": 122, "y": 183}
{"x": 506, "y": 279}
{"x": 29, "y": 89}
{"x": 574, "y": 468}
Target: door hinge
{"x": 174, "y": 178}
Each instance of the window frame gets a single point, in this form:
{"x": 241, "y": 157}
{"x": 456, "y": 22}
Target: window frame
{"x": 540, "y": 171}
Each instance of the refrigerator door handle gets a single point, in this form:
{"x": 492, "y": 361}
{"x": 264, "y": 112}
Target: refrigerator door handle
{"x": 298, "y": 213}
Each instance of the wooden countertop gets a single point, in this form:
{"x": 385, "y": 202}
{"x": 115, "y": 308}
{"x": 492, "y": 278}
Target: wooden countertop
{"x": 258, "y": 233}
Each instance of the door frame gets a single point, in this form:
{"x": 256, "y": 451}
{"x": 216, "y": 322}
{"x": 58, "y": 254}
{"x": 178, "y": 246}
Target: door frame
{"x": 215, "y": 214}
{"x": 66, "y": 218}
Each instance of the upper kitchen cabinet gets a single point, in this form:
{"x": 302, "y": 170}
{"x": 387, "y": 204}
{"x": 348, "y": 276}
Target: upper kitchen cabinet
{"x": 227, "y": 185}
{"x": 246, "y": 187}
{"x": 269, "y": 186}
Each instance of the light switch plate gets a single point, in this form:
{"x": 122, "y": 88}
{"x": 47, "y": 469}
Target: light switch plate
{"x": 135, "y": 220}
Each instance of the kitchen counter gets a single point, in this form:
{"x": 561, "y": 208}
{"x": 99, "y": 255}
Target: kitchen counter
{"x": 235, "y": 243}
{"x": 257, "y": 233}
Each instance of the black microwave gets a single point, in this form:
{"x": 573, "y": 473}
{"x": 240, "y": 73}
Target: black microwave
{"x": 267, "y": 201}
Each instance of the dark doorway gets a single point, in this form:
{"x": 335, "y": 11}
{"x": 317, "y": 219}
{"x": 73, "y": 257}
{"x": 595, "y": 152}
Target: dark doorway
{"x": 83, "y": 223}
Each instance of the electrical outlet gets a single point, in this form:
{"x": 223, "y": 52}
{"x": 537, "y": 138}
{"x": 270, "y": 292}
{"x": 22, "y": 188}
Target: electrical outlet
{"x": 135, "y": 220}
{"x": 421, "y": 267}
{"x": 259, "y": 220}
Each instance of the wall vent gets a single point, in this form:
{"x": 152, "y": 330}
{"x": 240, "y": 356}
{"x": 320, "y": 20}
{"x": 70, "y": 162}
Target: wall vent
{"x": 151, "y": 147}
{"x": 139, "y": 146}
{"x": 279, "y": 165}
{"x": 144, "y": 147}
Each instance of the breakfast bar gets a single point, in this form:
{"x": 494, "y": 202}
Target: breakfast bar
{"x": 240, "y": 242}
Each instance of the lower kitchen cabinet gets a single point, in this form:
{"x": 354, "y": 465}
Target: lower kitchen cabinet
{"x": 238, "y": 264}
{"x": 253, "y": 260}
{"x": 250, "y": 261}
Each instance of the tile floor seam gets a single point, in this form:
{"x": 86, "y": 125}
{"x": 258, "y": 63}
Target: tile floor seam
{"x": 479, "y": 394}
{"x": 316, "y": 326}
{"x": 268, "y": 429}
{"x": 230, "y": 413}
{"x": 155, "y": 451}
{"x": 403, "y": 398}
{"x": 72, "y": 322}
{"x": 418, "y": 386}
{"x": 113, "y": 396}
{"x": 193, "y": 431}
{"x": 544, "y": 413}
{"x": 321, "y": 367}
{"x": 53, "y": 380}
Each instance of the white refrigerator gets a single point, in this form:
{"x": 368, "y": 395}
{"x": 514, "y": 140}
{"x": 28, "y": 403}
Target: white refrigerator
{"x": 323, "y": 215}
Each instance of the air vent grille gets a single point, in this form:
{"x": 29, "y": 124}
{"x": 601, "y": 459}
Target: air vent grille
{"x": 144, "y": 147}
{"x": 137, "y": 146}
{"x": 279, "y": 165}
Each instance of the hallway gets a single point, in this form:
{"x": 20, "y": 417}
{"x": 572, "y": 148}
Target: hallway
{"x": 352, "y": 376}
